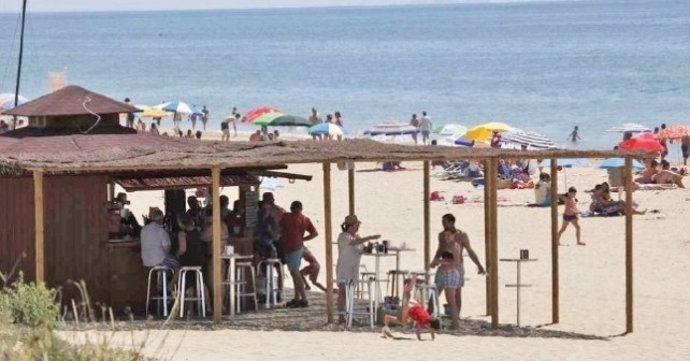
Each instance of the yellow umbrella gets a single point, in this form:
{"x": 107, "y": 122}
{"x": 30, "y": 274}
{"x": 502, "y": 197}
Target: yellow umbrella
{"x": 150, "y": 112}
{"x": 483, "y": 132}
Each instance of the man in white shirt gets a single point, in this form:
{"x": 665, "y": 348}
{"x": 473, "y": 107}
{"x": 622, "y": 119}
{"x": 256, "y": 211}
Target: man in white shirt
{"x": 155, "y": 242}
{"x": 425, "y": 125}
{"x": 350, "y": 246}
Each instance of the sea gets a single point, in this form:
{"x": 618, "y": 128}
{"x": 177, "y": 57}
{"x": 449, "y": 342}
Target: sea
{"x": 541, "y": 66}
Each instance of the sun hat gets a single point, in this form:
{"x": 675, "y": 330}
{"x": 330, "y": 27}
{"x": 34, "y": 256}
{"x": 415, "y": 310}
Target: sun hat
{"x": 351, "y": 220}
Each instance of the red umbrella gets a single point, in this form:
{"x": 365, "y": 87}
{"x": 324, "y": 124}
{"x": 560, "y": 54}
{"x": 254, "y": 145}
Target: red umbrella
{"x": 674, "y": 132}
{"x": 645, "y": 141}
{"x": 257, "y": 112}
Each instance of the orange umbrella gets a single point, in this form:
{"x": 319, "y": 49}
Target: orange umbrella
{"x": 674, "y": 132}
{"x": 644, "y": 142}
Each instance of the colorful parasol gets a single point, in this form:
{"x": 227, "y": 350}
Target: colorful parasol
{"x": 483, "y": 132}
{"x": 674, "y": 132}
{"x": 251, "y": 115}
{"x": 642, "y": 142}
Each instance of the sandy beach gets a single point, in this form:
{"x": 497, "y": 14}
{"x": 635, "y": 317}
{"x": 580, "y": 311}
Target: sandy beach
{"x": 592, "y": 318}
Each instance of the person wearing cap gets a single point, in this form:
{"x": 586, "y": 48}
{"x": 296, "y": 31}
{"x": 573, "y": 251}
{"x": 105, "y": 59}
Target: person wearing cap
{"x": 272, "y": 208}
{"x": 350, "y": 246}
{"x": 155, "y": 242}
{"x": 128, "y": 222}
{"x": 293, "y": 227}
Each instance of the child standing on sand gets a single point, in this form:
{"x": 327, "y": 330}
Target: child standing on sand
{"x": 570, "y": 214}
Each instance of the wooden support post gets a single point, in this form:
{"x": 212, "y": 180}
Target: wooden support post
{"x": 38, "y": 224}
{"x": 427, "y": 216}
{"x": 494, "y": 241}
{"x": 217, "y": 247}
{"x": 328, "y": 239}
{"x": 487, "y": 236}
{"x": 554, "y": 242}
{"x": 351, "y": 189}
{"x": 628, "y": 246}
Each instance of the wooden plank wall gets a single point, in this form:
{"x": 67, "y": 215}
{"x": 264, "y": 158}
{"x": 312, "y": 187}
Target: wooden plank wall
{"x": 17, "y": 225}
{"x": 75, "y": 240}
{"x": 75, "y": 226}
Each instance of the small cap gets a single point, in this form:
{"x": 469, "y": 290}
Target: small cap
{"x": 351, "y": 220}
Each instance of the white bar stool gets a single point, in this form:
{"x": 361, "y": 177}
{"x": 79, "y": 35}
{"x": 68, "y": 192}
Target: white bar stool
{"x": 199, "y": 287}
{"x": 268, "y": 266}
{"x": 245, "y": 273}
{"x": 350, "y": 290}
{"x": 161, "y": 274}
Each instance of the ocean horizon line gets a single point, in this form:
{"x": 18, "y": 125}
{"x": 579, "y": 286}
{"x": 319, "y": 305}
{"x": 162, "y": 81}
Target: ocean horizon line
{"x": 312, "y": 7}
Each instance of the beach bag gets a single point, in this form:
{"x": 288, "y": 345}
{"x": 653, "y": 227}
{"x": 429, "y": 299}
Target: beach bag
{"x": 436, "y": 196}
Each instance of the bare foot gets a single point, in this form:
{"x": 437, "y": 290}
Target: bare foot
{"x": 387, "y": 332}
{"x": 581, "y": 243}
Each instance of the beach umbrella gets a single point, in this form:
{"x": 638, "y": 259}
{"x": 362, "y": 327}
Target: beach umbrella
{"x": 391, "y": 128}
{"x": 251, "y": 115}
{"x": 327, "y": 128}
{"x": 177, "y": 107}
{"x": 674, "y": 132}
{"x": 629, "y": 127}
{"x": 266, "y": 119}
{"x": 286, "y": 120}
{"x": 642, "y": 142}
{"x": 197, "y": 111}
{"x": 483, "y": 132}
{"x": 528, "y": 138}
{"x": 151, "y": 112}
{"x": 565, "y": 163}
{"x": 450, "y": 129}
{"x": 611, "y": 163}
{"x": 7, "y": 101}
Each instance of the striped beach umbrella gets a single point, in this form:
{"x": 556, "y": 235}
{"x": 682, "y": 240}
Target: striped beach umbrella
{"x": 175, "y": 107}
{"x": 629, "y": 127}
{"x": 251, "y": 115}
{"x": 327, "y": 128}
{"x": 674, "y": 132}
{"x": 528, "y": 138}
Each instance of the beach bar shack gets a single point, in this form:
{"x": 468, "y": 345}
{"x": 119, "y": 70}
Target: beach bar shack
{"x": 56, "y": 225}
{"x": 55, "y": 176}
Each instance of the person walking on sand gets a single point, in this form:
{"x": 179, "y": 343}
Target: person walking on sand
{"x": 574, "y": 135}
{"x": 204, "y": 118}
{"x": 314, "y": 119}
{"x": 425, "y": 125}
{"x": 415, "y": 123}
{"x": 225, "y": 129}
{"x": 293, "y": 227}
{"x": 570, "y": 215}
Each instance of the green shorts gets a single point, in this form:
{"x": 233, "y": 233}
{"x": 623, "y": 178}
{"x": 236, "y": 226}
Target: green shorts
{"x": 294, "y": 259}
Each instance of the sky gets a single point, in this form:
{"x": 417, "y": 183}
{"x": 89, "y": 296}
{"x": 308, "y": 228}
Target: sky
{"x": 125, "y": 5}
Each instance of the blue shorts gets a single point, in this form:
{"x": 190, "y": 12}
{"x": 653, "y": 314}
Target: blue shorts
{"x": 293, "y": 260}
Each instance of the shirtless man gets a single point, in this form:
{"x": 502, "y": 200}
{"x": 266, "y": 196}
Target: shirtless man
{"x": 570, "y": 215}
{"x": 446, "y": 238}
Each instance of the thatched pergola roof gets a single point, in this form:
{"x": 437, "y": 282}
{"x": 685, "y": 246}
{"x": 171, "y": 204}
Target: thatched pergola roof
{"x": 109, "y": 153}
{"x": 69, "y": 101}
